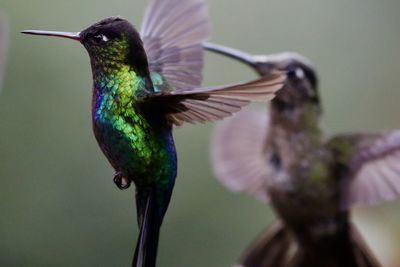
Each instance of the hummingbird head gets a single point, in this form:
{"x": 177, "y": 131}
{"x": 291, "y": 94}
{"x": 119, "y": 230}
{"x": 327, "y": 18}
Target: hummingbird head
{"x": 301, "y": 86}
{"x": 111, "y": 42}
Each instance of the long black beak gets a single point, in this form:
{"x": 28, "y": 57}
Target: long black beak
{"x": 69, "y": 35}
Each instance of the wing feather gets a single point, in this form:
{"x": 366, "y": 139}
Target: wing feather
{"x": 237, "y": 154}
{"x": 173, "y": 32}
{"x": 215, "y": 103}
{"x": 374, "y": 168}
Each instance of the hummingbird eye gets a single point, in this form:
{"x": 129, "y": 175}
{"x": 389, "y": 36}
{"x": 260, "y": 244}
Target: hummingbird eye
{"x": 297, "y": 73}
{"x": 100, "y": 38}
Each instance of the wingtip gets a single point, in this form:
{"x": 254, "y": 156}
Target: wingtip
{"x": 236, "y": 156}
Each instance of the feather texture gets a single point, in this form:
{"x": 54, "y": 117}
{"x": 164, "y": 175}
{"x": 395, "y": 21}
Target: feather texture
{"x": 173, "y": 32}
{"x": 237, "y": 153}
{"x": 215, "y": 103}
{"x": 374, "y": 169}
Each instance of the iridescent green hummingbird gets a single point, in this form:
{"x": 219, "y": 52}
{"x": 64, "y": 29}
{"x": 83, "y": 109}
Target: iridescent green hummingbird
{"x": 311, "y": 181}
{"x": 145, "y": 83}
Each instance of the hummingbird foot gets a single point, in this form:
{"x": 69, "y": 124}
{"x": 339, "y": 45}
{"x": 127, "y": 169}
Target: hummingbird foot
{"x": 121, "y": 182}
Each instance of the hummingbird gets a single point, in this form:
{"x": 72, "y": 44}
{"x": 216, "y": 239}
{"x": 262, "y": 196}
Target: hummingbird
{"x": 282, "y": 157}
{"x": 144, "y": 84}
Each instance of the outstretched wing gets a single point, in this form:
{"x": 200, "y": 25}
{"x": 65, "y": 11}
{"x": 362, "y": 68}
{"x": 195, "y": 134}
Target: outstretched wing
{"x": 237, "y": 154}
{"x": 373, "y": 163}
{"x": 214, "y": 103}
{"x": 173, "y": 32}
{"x": 3, "y": 45}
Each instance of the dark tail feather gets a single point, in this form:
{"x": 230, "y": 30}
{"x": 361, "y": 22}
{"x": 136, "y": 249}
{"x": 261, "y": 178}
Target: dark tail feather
{"x": 346, "y": 248}
{"x": 147, "y": 244}
{"x": 271, "y": 249}
{"x": 276, "y": 247}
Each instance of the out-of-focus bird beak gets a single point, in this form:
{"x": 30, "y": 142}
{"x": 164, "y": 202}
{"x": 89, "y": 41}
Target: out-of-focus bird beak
{"x": 263, "y": 65}
{"x": 69, "y": 35}
{"x": 230, "y": 52}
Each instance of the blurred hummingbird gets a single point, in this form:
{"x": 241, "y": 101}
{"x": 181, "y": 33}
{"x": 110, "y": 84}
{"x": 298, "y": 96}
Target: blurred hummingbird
{"x": 311, "y": 181}
{"x": 145, "y": 83}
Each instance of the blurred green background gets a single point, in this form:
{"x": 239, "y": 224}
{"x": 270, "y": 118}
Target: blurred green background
{"x": 58, "y": 204}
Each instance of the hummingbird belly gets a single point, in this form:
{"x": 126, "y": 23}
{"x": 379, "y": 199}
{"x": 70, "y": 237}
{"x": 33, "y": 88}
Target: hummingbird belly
{"x": 135, "y": 149}
{"x": 306, "y": 200}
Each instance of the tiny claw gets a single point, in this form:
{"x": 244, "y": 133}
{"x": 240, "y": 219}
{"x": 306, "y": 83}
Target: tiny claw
{"x": 121, "y": 181}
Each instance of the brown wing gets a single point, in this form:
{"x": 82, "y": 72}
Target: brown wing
{"x": 3, "y": 45}
{"x": 173, "y": 32}
{"x": 215, "y": 103}
{"x": 374, "y": 167}
{"x": 237, "y": 154}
